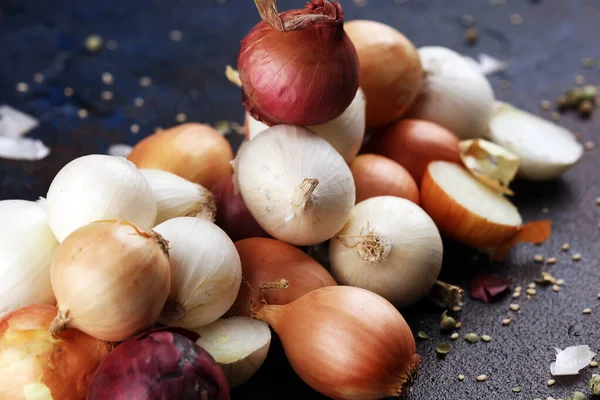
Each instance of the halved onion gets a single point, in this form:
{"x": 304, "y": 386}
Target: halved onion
{"x": 545, "y": 149}
{"x": 466, "y": 210}
{"x": 238, "y": 344}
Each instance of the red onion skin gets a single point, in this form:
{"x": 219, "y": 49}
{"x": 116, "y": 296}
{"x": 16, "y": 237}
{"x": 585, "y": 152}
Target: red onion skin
{"x": 232, "y": 214}
{"x": 163, "y": 364}
{"x": 307, "y": 75}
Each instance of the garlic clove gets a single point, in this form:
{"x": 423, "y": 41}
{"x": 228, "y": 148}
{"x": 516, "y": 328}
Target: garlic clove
{"x": 545, "y": 149}
{"x": 238, "y": 344}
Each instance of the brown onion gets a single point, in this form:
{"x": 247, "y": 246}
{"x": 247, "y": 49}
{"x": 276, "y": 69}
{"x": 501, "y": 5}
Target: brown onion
{"x": 35, "y": 364}
{"x": 414, "y": 144}
{"x": 298, "y": 67}
{"x": 346, "y": 343}
{"x": 390, "y": 70}
{"x": 276, "y": 272}
{"x": 196, "y": 152}
{"x": 376, "y": 175}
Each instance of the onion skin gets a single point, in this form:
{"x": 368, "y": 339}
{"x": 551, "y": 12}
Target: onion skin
{"x": 375, "y": 175}
{"x": 390, "y": 70}
{"x": 61, "y": 365}
{"x": 161, "y": 364}
{"x": 265, "y": 262}
{"x": 232, "y": 214}
{"x": 196, "y": 152}
{"x": 305, "y": 75}
{"x": 346, "y": 342}
{"x": 414, "y": 144}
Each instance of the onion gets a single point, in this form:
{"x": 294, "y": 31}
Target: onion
{"x": 275, "y": 272}
{"x": 389, "y": 246}
{"x": 345, "y": 133}
{"x": 26, "y": 251}
{"x": 232, "y": 214}
{"x": 414, "y": 144}
{"x": 545, "y": 150}
{"x": 161, "y": 364}
{"x": 111, "y": 280}
{"x": 376, "y": 175}
{"x": 390, "y": 70}
{"x": 346, "y": 343}
{"x": 238, "y": 344}
{"x": 297, "y": 187}
{"x": 468, "y": 211}
{"x": 455, "y": 94}
{"x": 298, "y": 67}
{"x": 206, "y": 272}
{"x": 178, "y": 197}
{"x": 34, "y": 364}
{"x": 196, "y": 152}
{"x": 95, "y": 187}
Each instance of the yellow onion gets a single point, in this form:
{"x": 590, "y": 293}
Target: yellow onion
{"x": 34, "y": 364}
{"x": 111, "y": 280}
{"x": 346, "y": 342}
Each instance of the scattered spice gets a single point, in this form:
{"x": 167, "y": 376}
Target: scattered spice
{"x": 447, "y": 323}
{"x": 516, "y": 389}
{"x": 175, "y": 35}
{"x": 138, "y": 102}
{"x": 514, "y": 307}
{"x": 94, "y": 43}
{"x": 556, "y": 288}
{"x": 531, "y": 292}
{"x": 587, "y": 310}
{"x": 579, "y": 79}
{"x": 134, "y": 128}
{"x": 538, "y": 258}
{"x": 546, "y": 104}
{"x": 546, "y": 278}
{"x": 461, "y": 377}
{"x": 22, "y": 87}
{"x": 422, "y": 335}
{"x": 145, "y": 81}
{"x": 518, "y": 288}
{"x": 467, "y": 19}
{"x": 551, "y": 260}
{"x": 531, "y": 285}
{"x": 545, "y": 210}
{"x": 486, "y": 338}
{"x": 587, "y": 62}
{"x": 38, "y": 77}
{"x": 506, "y": 321}
{"x": 486, "y": 288}
{"x": 107, "y": 95}
{"x": 82, "y": 113}
{"x": 471, "y": 36}
{"x": 111, "y": 44}
{"x": 107, "y": 78}
{"x": 551, "y": 382}
{"x": 516, "y": 19}
{"x": 458, "y": 325}
{"x": 560, "y": 282}
{"x": 445, "y": 295}
{"x": 594, "y": 364}
{"x": 443, "y": 348}
{"x": 481, "y": 378}
{"x": 565, "y": 247}
{"x": 595, "y": 384}
{"x": 589, "y": 145}
{"x": 555, "y": 116}
{"x": 68, "y": 91}
{"x": 454, "y": 336}
{"x": 181, "y": 117}
{"x": 585, "y": 108}
{"x": 576, "y": 257}
{"x": 472, "y": 337}
{"x": 577, "y": 396}
{"x": 516, "y": 295}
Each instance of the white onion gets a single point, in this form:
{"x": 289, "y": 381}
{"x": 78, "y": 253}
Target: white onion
{"x": 206, "y": 272}
{"x": 455, "y": 94}
{"x": 26, "y": 251}
{"x": 97, "y": 187}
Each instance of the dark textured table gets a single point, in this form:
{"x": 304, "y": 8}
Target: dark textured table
{"x": 544, "y": 53}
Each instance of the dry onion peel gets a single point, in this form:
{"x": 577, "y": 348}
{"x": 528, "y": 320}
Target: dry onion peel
{"x": 111, "y": 280}
{"x": 466, "y": 210}
{"x": 346, "y": 342}
{"x": 492, "y": 164}
{"x": 571, "y": 360}
{"x": 238, "y": 344}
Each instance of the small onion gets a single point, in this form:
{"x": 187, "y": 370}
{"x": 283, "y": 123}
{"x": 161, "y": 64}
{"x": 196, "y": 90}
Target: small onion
{"x": 414, "y": 144}
{"x": 455, "y": 94}
{"x": 376, "y": 175}
{"x": 345, "y": 133}
{"x": 390, "y": 70}
{"x": 161, "y": 364}
{"x": 389, "y": 246}
{"x": 95, "y": 187}
{"x": 275, "y": 272}
{"x": 238, "y": 344}
{"x": 111, "y": 280}
{"x": 196, "y": 152}
{"x": 26, "y": 251}
{"x": 468, "y": 211}
{"x": 206, "y": 272}
{"x": 296, "y": 186}
{"x": 346, "y": 343}
{"x": 34, "y": 364}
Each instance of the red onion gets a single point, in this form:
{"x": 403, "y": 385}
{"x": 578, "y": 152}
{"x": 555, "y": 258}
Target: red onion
{"x": 232, "y": 214}
{"x": 298, "y": 67}
{"x": 162, "y": 364}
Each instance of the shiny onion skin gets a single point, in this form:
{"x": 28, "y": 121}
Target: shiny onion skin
{"x": 275, "y": 272}
{"x": 298, "y": 67}
{"x": 346, "y": 343}
{"x": 34, "y": 364}
{"x": 163, "y": 364}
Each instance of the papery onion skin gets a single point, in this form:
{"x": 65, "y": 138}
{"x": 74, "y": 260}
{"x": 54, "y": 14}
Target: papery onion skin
{"x": 161, "y": 364}
{"x": 414, "y": 144}
{"x": 346, "y": 343}
{"x": 390, "y": 70}
{"x": 375, "y": 175}
{"x": 307, "y": 75}
{"x": 111, "y": 280}
{"x": 33, "y": 362}
{"x": 275, "y": 272}
{"x": 196, "y": 152}
{"x": 232, "y": 214}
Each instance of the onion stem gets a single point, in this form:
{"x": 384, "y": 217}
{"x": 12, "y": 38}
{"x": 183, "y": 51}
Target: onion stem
{"x": 284, "y": 23}
{"x": 59, "y": 323}
{"x": 278, "y": 284}
{"x": 370, "y": 245}
{"x": 304, "y": 192}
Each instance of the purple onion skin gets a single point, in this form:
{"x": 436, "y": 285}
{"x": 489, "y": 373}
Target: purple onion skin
{"x": 164, "y": 364}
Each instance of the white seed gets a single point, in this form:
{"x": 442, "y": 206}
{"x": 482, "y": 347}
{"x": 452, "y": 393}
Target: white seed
{"x": 454, "y": 336}
{"x": 181, "y": 117}
{"x": 138, "y": 102}
{"x": 69, "y": 92}
{"x": 107, "y": 78}
{"x": 551, "y": 382}
{"x": 565, "y": 247}
{"x": 560, "y": 282}
{"x": 486, "y": 338}
{"x": 481, "y": 378}
{"x": 538, "y": 258}
{"x": 518, "y": 289}
{"x": 38, "y": 77}
{"x": 107, "y": 95}
{"x": 551, "y": 260}
{"x": 145, "y": 81}
{"x": 135, "y": 128}
{"x": 576, "y": 257}
{"x": 22, "y": 87}
{"x": 461, "y": 377}
{"x": 531, "y": 292}
{"x": 175, "y": 35}
{"x": 516, "y": 294}
{"x": 82, "y": 113}
{"x": 531, "y": 285}
{"x": 587, "y": 310}
{"x": 514, "y": 307}
{"x": 556, "y": 288}
{"x": 506, "y": 321}
{"x": 579, "y": 79}
{"x": 594, "y": 364}
{"x": 589, "y": 145}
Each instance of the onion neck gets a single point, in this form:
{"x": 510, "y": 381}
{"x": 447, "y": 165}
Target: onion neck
{"x": 303, "y": 195}
{"x": 316, "y": 11}
{"x": 271, "y": 314}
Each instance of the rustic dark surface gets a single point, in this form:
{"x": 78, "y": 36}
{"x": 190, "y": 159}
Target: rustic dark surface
{"x": 545, "y": 54}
